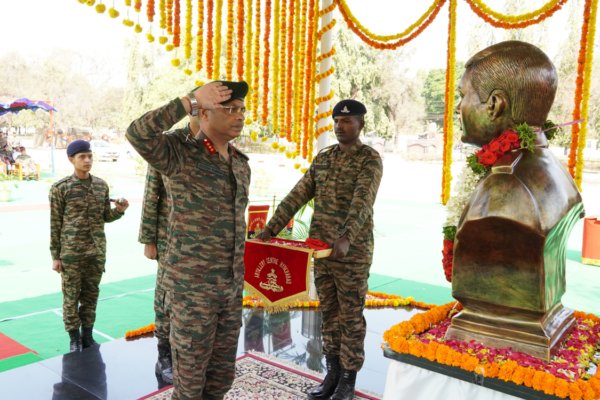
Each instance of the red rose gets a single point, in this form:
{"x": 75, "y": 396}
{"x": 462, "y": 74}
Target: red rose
{"x": 495, "y": 145}
{"x": 512, "y": 136}
{"x": 488, "y": 159}
{"x": 505, "y": 146}
{"x": 479, "y": 153}
{"x": 517, "y": 144}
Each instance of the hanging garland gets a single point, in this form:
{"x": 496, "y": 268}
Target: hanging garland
{"x": 240, "y": 40}
{"x": 282, "y": 72}
{"x": 296, "y": 99}
{"x": 308, "y": 80}
{"x": 256, "y": 62}
{"x": 137, "y": 6}
{"x": 249, "y": 53}
{"x": 449, "y": 101}
{"x": 589, "y": 58}
{"x": 298, "y": 125}
{"x": 218, "y": 27}
{"x": 515, "y": 18}
{"x": 200, "y": 35}
{"x": 311, "y": 121}
{"x": 188, "y": 31}
{"x": 229, "y": 43}
{"x": 266, "y": 58}
{"x": 505, "y": 21}
{"x": 209, "y": 38}
{"x": 289, "y": 109}
{"x": 169, "y": 17}
{"x": 276, "y": 35}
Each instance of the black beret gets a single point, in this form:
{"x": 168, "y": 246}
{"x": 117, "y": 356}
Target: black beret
{"x": 78, "y": 146}
{"x": 239, "y": 90}
{"x": 349, "y": 107}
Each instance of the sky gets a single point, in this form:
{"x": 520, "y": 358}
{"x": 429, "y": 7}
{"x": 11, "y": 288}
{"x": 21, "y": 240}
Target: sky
{"x": 67, "y": 24}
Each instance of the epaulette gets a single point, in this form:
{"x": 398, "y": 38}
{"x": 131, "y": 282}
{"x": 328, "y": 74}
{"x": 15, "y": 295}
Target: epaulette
{"x": 326, "y": 149}
{"x": 238, "y": 152}
{"x": 366, "y": 147}
{"x": 61, "y": 181}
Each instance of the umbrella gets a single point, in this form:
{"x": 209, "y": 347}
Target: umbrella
{"x": 24, "y": 104}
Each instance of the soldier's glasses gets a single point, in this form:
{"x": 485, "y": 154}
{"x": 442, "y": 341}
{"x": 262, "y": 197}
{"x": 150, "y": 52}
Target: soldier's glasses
{"x": 236, "y": 110}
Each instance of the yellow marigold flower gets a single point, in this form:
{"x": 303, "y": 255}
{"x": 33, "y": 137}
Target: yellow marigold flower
{"x": 138, "y": 28}
{"x": 175, "y": 62}
{"x": 288, "y": 154}
{"x": 150, "y": 38}
{"x": 100, "y": 8}
{"x": 169, "y": 47}
{"x": 187, "y": 72}
{"x": 113, "y": 13}
{"x": 303, "y": 170}
{"x": 296, "y": 166}
{"x": 127, "y": 22}
{"x": 163, "y": 39}
{"x": 199, "y": 83}
{"x": 264, "y": 138}
{"x": 282, "y": 148}
{"x": 81, "y": 1}
{"x": 248, "y": 121}
{"x": 90, "y": 2}
{"x": 275, "y": 145}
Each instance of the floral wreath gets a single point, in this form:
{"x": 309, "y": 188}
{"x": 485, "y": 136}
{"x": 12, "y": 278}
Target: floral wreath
{"x": 479, "y": 165}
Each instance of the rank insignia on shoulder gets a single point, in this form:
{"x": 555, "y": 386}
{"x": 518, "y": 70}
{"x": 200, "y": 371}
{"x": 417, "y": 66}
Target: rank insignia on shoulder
{"x": 209, "y": 146}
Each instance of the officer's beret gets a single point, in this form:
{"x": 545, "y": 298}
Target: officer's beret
{"x": 78, "y": 146}
{"x": 239, "y": 90}
{"x": 349, "y": 107}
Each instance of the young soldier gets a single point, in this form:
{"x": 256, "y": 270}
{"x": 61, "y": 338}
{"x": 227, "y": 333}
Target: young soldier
{"x": 343, "y": 179}
{"x": 153, "y": 234}
{"x": 79, "y": 208}
{"x": 204, "y": 267}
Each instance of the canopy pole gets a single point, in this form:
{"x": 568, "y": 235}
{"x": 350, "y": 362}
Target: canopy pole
{"x": 325, "y": 83}
{"x": 51, "y": 141}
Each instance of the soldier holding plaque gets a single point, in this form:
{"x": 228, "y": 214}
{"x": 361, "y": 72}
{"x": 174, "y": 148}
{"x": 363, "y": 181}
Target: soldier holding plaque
{"x": 343, "y": 179}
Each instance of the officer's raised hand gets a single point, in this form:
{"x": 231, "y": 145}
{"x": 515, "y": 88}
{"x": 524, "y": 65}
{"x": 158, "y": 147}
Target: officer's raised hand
{"x": 340, "y": 248}
{"x": 121, "y": 205}
{"x": 265, "y": 235}
{"x": 211, "y": 95}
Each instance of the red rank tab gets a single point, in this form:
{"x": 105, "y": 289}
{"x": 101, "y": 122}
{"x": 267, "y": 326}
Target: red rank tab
{"x": 209, "y": 146}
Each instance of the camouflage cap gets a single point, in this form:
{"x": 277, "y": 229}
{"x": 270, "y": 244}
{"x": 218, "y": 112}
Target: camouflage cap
{"x": 239, "y": 90}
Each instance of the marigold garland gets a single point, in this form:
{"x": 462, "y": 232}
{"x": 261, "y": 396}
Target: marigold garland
{"x": 515, "y": 18}
{"x": 200, "y": 35}
{"x": 150, "y": 11}
{"x": 311, "y": 121}
{"x": 276, "y": 37}
{"x": 249, "y": 54}
{"x": 390, "y": 45}
{"x": 137, "y": 6}
{"x": 229, "y": 42}
{"x": 240, "y": 40}
{"x": 209, "y": 38}
{"x": 141, "y": 331}
{"x": 589, "y": 57}
{"x": 449, "y": 98}
{"x": 266, "y": 58}
{"x": 282, "y": 71}
{"x": 169, "y": 17}
{"x": 163, "y": 14}
{"x": 188, "y": 30}
{"x": 218, "y": 29}
{"x": 289, "y": 109}
{"x": 387, "y": 38}
{"x": 256, "y": 64}
{"x": 296, "y": 73}
{"x": 515, "y": 25}
{"x": 308, "y": 79}
{"x": 299, "y": 121}
{"x": 389, "y": 300}
{"x": 176, "y": 26}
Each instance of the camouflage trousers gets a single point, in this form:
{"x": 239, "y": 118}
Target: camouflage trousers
{"x": 161, "y": 320}
{"x": 342, "y": 289}
{"x": 204, "y": 338}
{"x": 80, "y": 281}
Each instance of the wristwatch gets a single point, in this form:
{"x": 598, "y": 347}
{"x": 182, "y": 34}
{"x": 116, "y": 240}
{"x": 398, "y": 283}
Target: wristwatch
{"x": 194, "y": 104}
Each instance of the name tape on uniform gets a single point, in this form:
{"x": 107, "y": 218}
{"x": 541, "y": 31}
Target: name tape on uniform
{"x": 211, "y": 169}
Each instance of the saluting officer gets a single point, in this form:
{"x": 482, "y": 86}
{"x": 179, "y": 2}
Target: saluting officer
{"x": 79, "y": 208}
{"x": 343, "y": 179}
{"x": 153, "y": 234}
{"x": 204, "y": 263}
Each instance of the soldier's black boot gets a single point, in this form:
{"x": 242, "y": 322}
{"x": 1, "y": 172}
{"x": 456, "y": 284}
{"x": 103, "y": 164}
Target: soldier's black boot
{"x": 345, "y": 388}
{"x": 327, "y": 387}
{"x": 75, "y": 344}
{"x": 87, "y": 340}
{"x": 164, "y": 365}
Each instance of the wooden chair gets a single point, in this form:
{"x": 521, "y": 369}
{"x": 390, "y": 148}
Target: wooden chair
{"x": 18, "y": 171}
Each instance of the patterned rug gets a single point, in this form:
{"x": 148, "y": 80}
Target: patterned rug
{"x": 258, "y": 378}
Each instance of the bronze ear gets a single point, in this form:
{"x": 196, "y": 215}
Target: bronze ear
{"x": 497, "y": 104}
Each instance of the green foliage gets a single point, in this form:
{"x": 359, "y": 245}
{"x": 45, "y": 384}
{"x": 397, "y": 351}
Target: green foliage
{"x": 6, "y": 181}
{"x": 550, "y": 133}
{"x": 473, "y": 163}
{"x": 449, "y": 232}
{"x": 527, "y": 136}
{"x": 301, "y": 229}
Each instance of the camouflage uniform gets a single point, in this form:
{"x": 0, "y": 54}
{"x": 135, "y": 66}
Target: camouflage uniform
{"x": 344, "y": 186}
{"x": 204, "y": 266}
{"x": 27, "y": 164}
{"x": 77, "y": 218}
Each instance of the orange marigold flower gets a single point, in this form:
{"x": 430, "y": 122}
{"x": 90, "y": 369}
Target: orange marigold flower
{"x": 575, "y": 392}
{"x": 561, "y": 389}
{"x": 549, "y": 383}
{"x": 528, "y": 378}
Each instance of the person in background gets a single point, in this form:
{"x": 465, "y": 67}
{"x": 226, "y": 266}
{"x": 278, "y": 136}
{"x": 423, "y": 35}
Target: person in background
{"x": 27, "y": 165}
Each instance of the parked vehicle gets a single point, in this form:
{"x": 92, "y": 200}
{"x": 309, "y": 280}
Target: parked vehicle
{"x": 104, "y": 151}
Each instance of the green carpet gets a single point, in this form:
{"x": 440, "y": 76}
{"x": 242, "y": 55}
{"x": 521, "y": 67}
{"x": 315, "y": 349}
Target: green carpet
{"x": 19, "y": 361}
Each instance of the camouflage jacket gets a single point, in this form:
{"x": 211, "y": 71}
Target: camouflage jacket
{"x": 77, "y": 218}
{"x": 24, "y": 159}
{"x": 206, "y": 234}
{"x": 344, "y": 186}
{"x": 156, "y": 206}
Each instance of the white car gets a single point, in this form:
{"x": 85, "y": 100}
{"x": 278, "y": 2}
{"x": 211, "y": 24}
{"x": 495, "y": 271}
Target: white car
{"x": 104, "y": 151}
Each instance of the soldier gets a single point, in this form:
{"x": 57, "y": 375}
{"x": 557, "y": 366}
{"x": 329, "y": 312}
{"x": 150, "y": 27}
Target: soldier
{"x": 204, "y": 268}
{"x": 343, "y": 179}
{"x": 79, "y": 208}
{"x": 27, "y": 164}
{"x": 153, "y": 234}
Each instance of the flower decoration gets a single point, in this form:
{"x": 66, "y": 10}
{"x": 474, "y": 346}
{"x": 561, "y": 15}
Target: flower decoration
{"x": 254, "y": 136}
{"x": 128, "y": 23}
{"x": 276, "y": 37}
{"x": 176, "y": 62}
{"x": 266, "y": 59}
{"x": 170, "y": 17}
{"x": 169, "y": 47}
{"x": 505, "y": 22}
{"x": 449, "y": 102}
{"x": 163, "y": 14}
{"x": 113, "y": 13}
{"x": 176, "y": 25}
{"x": 138, "y": 28}
{"x": 137, "y": 7}
{"x": 188, "y": 72}
{"x": 280, "y": 50}
{"x": 141, "y": 331}
{"x": 297, "y": 166}
{"x": 163, "y": 39}
{"x": 218, "y": 23}
{"x": 240, "y": 39}
{"x": 188, "y": 30}
{"x": 308, "y": 78}
{"x": 275, "y": 145}
{"x": 100, "y": 8}
{"x": 229, "y": 42}
{"x": 150, "y": 10}
{"x": 209, "y": 38}
{"x": 289, "y": 108}
{"x": 150, "y": 37}
{"x": 248, "y": 69}
{"x": 199, "y": 83}
{"x": 256, "y": 63}
{"x": 200, "y": 35}
{"x": 90, "y": 2}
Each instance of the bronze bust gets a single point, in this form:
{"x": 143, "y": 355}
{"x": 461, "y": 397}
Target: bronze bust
{"x": 510, "y": 246}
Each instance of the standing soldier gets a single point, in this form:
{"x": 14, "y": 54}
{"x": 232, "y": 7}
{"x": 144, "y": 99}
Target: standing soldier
{"x": 153, "y": 234}
{"x": 343, "y": 179}
{"x": 204, "y": 263}
{"x": 79, "y": 208}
